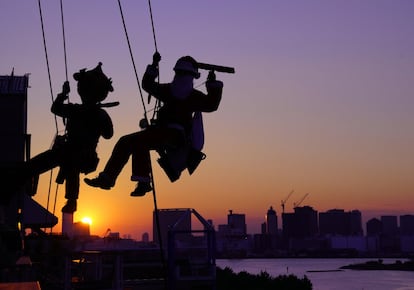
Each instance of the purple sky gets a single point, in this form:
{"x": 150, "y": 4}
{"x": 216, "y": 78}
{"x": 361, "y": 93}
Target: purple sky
{"x": 321, "y": 102}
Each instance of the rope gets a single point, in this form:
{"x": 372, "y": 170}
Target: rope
{"x": 157, "y": 221}
{"x": 157, "y": 105}
{"x": 48, "y": 197}
{"x": 54, "y": 203}
{"x": 64, "y": 40}
{"x": 132, "y": 59}
{"x": 146, "y": 118}
{"x": 152, "y": 24}
{"x": 50, "y": 86}
{"x": 157, "y": 102}
{"x": 47, "y": 60}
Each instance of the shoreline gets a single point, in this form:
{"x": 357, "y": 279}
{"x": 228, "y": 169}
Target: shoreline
{"x": 379, "y": 265}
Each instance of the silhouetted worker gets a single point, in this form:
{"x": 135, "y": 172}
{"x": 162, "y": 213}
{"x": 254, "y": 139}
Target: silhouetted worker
{"x": 171, "y": 134}
{"x": 75, "y": 152}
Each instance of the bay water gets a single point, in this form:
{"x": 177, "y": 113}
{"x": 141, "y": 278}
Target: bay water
{"x": 325, "y": 274}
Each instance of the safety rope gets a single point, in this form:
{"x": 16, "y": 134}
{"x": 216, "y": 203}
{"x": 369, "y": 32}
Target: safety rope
{"x": 157, "y": 102}
{"x": 152, "y": 25}
{"x": 132, "y": 60}
{"x": 146, "y": 119}
{"x": 51, "y": 94}
{"x": 47, "y": 60}
{"x": 51, "y": 90}
{"x": 64, "y": 40}
{"x": 157, "y": 105}
{"x": 67, "y": 79}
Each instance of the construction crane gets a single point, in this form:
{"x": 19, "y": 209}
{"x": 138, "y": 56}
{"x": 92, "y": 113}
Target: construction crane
{"x": 106, "y": 234}
{"x": 297, "y": 204}
{"x": 285, "y": 200}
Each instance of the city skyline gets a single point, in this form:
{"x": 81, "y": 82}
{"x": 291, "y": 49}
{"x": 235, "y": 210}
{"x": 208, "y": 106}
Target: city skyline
{"x": 258, "y": 227}
{"x": 321, "y": 101}
{"x": 364, "y": 219}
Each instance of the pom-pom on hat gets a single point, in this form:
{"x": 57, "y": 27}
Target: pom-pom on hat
{"x": 93, "y": 85}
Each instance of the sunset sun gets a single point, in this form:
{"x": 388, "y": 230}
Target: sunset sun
{"x": 87, "y": 220}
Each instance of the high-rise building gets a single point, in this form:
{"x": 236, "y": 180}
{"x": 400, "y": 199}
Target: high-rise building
{"x": 271, "y": 222}
{"x": 407, "y": 225}
{"x": 232, "y": 237}
{"x": 374, "y": 227}
{"x": 389, "y": 225}
{"x": 356, "y": 223}
{"x": 263, "y": 228}
{"x": 338, "y": 222}
{"x": 303, "y": 223}
{"x": 237, "y": 223}
{"x": 334, "y": 222}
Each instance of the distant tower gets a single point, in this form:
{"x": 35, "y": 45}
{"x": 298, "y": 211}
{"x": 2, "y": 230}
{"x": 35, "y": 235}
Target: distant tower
{"x": 263, "y": 228}
{"x": 271, "y": 222}
{"x": 407, "y": 225}
{"x": 356, "y": 223}
{"x": 389, "y": 225}
{"x": 303, "y": 223}
{"x": 339, "y": 222}
{"x": 237, "y": 223}
{"x": 145, "y": 237}
{"x": 374, "y": 227}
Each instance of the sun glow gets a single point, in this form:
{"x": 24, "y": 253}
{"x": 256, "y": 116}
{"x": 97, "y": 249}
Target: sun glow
{"x": 87, "y": 220}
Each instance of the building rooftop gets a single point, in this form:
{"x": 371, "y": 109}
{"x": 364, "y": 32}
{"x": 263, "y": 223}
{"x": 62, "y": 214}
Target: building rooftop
{"x": 13, "y": 84}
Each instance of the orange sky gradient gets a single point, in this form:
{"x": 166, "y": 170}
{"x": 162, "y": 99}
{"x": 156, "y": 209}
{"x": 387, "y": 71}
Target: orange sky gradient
{"x": 321, "y": 101}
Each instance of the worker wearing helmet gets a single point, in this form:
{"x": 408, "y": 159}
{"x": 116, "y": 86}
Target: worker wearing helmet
{"x": 171, "y": 134}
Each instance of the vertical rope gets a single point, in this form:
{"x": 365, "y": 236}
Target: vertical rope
{"x": 157, "y": 102}
{"x": 157, "y": 222}
{"x": 132, "y": 59}
{"x": 152, "y": 176}
{"x": 54, "y": 203}
{"x": 50, "y": 86}
{"x": 64, "y": 40}
{"x": 152, "y": 24}
{"x": 47, "y": 60}
{"x": 146, "y": 118}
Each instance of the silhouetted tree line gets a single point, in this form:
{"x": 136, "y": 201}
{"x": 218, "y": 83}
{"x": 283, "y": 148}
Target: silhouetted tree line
{"x": 228, "y": 279}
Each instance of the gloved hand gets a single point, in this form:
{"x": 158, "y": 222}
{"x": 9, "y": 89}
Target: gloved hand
{"x": 211, "y": 76}
{"x": 156, "y": 58}
{"x": 65, "y": 88}
{"x": 64, "y": 95}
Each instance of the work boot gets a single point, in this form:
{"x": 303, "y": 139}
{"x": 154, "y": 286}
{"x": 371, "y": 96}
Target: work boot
{"x": 102, "y": 181}
{"x": 141, "y": 189}
{"x": 70, "y": 206}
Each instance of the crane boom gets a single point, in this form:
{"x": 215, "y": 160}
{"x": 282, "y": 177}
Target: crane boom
{"x": 285, "y": 200}
{"x": 296, "y": 204}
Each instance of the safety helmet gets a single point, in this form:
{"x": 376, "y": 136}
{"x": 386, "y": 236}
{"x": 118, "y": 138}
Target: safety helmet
{"x": 187, "y": 64}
